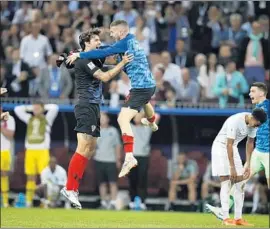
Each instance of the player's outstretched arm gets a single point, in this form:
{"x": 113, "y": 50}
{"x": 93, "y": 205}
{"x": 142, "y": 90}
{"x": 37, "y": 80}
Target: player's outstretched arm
{"x": 119, "y": 47}
{"x": 107, "y": 76}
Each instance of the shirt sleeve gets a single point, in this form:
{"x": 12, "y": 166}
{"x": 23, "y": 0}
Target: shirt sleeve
{"x": 91, "y": 68}
{"x": 43, "y": 176}
{"x": 252, "y": 132}
{"x": 11, "y": 124}
{"x": 21, "y": 112}
{"x": 118, "y": 47}
{"x": 52, "y": 113}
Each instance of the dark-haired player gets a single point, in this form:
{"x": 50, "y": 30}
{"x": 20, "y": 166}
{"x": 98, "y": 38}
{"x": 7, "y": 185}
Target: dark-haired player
{"x": 260, "y": 156}
{"x": 142, "y": 85}
{"x": 88, "y": 78}
{"x": 226, "y": 161}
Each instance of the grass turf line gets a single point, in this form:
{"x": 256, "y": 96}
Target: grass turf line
{"x": 38, "y": 218}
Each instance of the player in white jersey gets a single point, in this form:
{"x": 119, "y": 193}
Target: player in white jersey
{"x": 37, "y": 141}
{"x": 53, "y": 179}
{"x": 7, "y": 135}
{"x": 260, "y": 155}
{"x": 226, "y": 161}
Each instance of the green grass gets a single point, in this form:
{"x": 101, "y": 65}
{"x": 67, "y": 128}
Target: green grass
{"x": 51, "y": 218}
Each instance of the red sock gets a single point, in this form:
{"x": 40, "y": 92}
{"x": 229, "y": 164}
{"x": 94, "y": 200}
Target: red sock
{"x": 128, "y": 143}
{"x": 76, "y": 169}
{"x": 152, "y": 119}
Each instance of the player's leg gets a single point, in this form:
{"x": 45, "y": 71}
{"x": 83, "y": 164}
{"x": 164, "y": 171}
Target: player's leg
{"x": 150, "y": 117}
{"x": 30, "y": 165}
{"x": 133, "y": 177}
{"x": 41, "y": 192}
{"x": 124, "y": 118}
{"x": 5, "y": 168}
{"x": 239, "y": 192}
{"x": 88, "y": 129}
{"x": 192, "y": 194}
{"x": 112, "y": 178}
{"x": 102, "y": 183}
{"x": 85, "y": 150}
{"x": 264, "y": 159}
{"x": 142, "y": 180}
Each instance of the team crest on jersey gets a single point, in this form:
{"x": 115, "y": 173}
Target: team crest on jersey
{"x": 91, "y": 65}
{"x": 93, "y": 127}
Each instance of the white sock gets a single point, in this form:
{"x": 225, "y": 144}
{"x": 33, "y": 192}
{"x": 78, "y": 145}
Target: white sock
{"x": 256, "y": 199}
{"x": 239, "y": 194}
{"x": 224, "y": 198}
{"x": 129, "y": 155}
{"x": 113, "y": 202}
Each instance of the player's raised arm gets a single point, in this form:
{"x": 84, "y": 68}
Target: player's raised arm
{"x": 106, "y": 76}
{"x": 117, "y": 48}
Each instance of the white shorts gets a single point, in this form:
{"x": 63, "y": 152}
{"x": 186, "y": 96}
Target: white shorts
{"x": 220, "y": 160}
{"x": 260, "y": 161}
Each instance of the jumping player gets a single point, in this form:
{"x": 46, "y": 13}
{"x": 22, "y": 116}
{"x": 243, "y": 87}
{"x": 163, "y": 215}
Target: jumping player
{"x": 226, "y": 161}
{"x": 88, "y": 78}
{"x": 142, "y": 86}
{"x": 260, "y": 155}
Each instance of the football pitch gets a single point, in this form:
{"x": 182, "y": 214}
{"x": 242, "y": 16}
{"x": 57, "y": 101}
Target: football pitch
{"x": 61, "y": 218}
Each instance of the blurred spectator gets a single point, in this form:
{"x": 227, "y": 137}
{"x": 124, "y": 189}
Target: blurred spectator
{"x": 264, "y": 22}
{"x": 123, "y": 84}
{"x": 182, "y": 57}
{"x": 158, "y": 27}
{"x": 142, "y": 33}
{"x": 201, "y": 33}
{"x": 254, "y": 55}
{"x": 35, "y": 47}
{"x": 210, "y": 185}
{"x": 189, "y": 90}
{"x": 128, "y": 14}
{"x": 23, "y": 14}
{"x": 231, "y": 86}
{"x": 161, "y": 85}
{"x": 6, "y": 14}
{"x": 261, "y": 7}
{"x": 138, "y": 175}
{"x": 170, "y": 98}
{"x": 37, "y": 141}
{"x": 69, "y": 43}
{"x": 214, "y": 15}
{"x": 62, "y": 16}
{"x": 200, "y": 60}
{"x": 234, "y": 35}
{"x": 53, "y": 179}
{"x": 105, "y": 16}
{"x": 207, "y": 77}
{"x": 172, "y": 71}
{"x": 185, "y": 174}
{"x": 225, "y": 55}
{"x": 8, "y": 54}
{"x": 182, "y": 25}
{"x": 19, "y": 74}
{"x": 11, "y": 37}
{"x": 7, "y": 136}
{"x": 108, "y": 161}
{"x": 55, "y": 82}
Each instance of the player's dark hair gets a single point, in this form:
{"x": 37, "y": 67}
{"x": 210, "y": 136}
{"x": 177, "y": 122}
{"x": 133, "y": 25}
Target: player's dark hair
{"x": 261, "y": 86}
{"x": 119, "y": 22}
{"x": 87, "y": 36}
{"x": 260, "y": 115}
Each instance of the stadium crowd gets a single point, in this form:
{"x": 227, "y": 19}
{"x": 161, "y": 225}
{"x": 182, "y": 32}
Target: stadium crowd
{"x": 198, "y": 52}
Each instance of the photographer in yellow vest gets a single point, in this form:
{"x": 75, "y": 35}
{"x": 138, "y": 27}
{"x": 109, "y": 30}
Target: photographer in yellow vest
{"x": 37, "y": 141}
